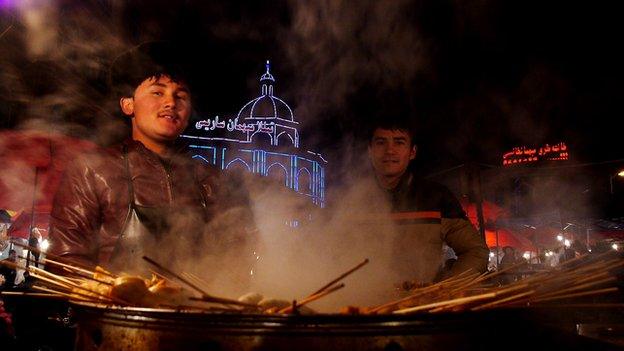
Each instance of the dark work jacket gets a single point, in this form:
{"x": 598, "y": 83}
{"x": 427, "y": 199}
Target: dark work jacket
{"x": 426, "y": 215}
{"x": 9, "y": 276}
{"x": 92, "y": 201}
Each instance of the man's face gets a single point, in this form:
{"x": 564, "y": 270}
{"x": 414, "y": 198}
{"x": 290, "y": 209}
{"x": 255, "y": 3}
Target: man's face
{"x": 390, "y": 152}
{"x": 160, "y": 109}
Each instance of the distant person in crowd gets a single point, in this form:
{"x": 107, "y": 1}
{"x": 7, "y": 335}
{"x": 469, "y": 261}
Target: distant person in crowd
{"x": 579, "y": 248}
{"x": 26, "y": 283}
{"x": 567, "y": 253}
{"x": 427, "y": 214}
{"x": 9, "y": 273}
{"x": 33, "y": 241}
{"x": 509, "y": 259}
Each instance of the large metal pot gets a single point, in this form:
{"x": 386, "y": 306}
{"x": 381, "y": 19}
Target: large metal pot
{"x": 108, "y": 328}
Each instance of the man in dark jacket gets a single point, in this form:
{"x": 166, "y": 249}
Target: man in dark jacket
{"x": 145, "y": 196}
{"x": 426, "y": 214}
{"x": 8, "y": 273}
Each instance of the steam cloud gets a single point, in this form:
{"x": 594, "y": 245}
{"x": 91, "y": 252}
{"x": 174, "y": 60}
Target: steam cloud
{"x": 338, "y": 48}
{"x": 53, "y": 68}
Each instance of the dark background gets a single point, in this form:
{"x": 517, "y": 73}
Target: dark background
{"x": 476, "y": 78}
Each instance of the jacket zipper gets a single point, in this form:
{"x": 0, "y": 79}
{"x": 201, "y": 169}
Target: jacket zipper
{"x": 169, "y": 184}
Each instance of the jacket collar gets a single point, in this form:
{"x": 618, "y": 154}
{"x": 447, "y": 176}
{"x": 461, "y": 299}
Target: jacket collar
{"x": 179, "y": 148}
{"x": 404, "y": 183}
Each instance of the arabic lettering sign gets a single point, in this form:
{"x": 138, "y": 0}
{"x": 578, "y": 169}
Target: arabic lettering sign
{"x": 232, "y": 125}
{"x": 523, "y": 154}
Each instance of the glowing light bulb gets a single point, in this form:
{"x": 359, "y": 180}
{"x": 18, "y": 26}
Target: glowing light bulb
{"x": 526, "y": 255}
{"x": 614, "y": 246}
{"x": 44, "y": 244}
{"x": 559, "y": 237}
{"x": 492, "y": 254}
{"x": 567, "y": 243}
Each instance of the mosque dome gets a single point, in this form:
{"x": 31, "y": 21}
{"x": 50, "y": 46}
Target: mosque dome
{"x": 267, "y": 106}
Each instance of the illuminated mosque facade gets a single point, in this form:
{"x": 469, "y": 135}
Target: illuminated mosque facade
{"x": 263, "y": 139}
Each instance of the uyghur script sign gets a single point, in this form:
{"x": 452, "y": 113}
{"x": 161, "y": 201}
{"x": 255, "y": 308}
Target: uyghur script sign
{"x": 523, "y": 154}
{"x": 232, "y": 125}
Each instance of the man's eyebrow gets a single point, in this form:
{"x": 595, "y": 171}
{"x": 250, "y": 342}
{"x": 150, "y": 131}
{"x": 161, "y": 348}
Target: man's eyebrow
{"x": 401, "y": 138}
{"x": 161, "y": 85}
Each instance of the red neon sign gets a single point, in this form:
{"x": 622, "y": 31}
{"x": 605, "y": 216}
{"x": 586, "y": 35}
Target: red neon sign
{"x": 523, "y": 154}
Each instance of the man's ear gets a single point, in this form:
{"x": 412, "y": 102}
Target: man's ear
{"x": 413, "y": 152}
{"x": 127, "y": 105}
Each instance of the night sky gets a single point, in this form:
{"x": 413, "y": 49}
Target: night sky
{"x": 475, "y": 77}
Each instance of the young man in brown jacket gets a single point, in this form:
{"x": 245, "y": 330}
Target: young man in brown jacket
{"x": 145, "y": 196}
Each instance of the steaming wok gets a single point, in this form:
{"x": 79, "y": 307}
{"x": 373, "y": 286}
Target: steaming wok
{"x": 131, "y": 328}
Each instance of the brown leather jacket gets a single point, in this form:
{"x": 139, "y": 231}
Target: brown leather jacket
{"x": 92, "y": 201}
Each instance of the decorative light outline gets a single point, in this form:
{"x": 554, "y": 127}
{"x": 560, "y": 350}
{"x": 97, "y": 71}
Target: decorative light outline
{"x": 236, "y": 160}
{"x": 254, "y": 159}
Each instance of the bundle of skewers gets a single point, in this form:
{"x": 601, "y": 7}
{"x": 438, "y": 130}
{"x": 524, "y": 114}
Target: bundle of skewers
{"x": 581, "y": 278}
{"x": 573, "y": 281}
{"x": 165, "y": 288}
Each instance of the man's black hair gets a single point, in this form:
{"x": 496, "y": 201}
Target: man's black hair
{"x": 392, "y": 123}
{"x": 147, "y": 60}
{"x": 389, "y": 109}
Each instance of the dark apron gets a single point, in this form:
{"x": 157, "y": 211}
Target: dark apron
{"x": 154, "y": 232}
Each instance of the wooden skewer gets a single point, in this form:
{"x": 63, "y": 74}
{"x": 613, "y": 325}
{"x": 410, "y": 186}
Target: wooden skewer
{"x": 422, "y": 291}
{"x": 53, "y": 282}
{"x": 496, "y": 293}
{"x": 342, "y": 276}
{"x": 59, "y": 259}
{"x": 205, "y": 296}
{"x": 309, "y": 299}
{"x": 580, "y": 280}
{"x": 321, "y": 294}
{"x": 508, "y": 289}
{"x": 29, "y": 294}
{"x": 50, "y": 275}
{"x": 51, "y": 278}
{"x": 90, "y": 278}
{"x": 159, "y": 275}
{"x": 200, "y": 282}
{"x": 174, "y": 275}
{"x": 71, "y": 286}
{"x": 72, "y": 296}
{"x": 502, "y": 271}
{"x": 74, "y": 269}
{"x": 577, "y": 287}
{"x": 564, "y": 282}
{"x": 443, "y": 303}
{"x": 502, "y": 301}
